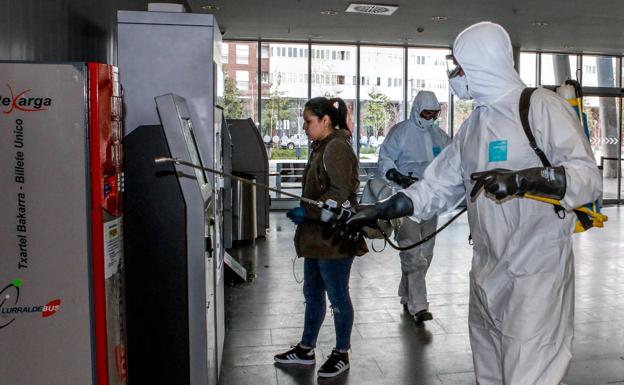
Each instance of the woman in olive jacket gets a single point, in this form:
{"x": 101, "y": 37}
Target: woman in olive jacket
{"x": 331, "y": 173}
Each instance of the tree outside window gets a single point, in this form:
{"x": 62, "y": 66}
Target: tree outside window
{"x": 274, "y": 111}
{"x": 379, "y": 113}
{"x": 233, "y": 106}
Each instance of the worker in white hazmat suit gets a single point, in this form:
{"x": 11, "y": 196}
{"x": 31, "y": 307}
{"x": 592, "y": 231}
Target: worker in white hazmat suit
{"x": 405, "y": 153}
{"x": 521, "y": 311}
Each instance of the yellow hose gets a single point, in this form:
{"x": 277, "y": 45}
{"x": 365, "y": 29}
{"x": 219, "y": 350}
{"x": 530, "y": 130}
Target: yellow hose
{"x": 596, "y": 216}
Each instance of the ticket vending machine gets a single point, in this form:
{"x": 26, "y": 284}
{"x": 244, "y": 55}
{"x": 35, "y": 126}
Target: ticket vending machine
{"x": 171, "y": 254}
{"x": 61, "y": 271}
{"x": 161, "y": 53}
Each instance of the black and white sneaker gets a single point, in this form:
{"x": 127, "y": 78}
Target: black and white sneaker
{"x": 336, "y": 363}
{"x": 296, "y": 355}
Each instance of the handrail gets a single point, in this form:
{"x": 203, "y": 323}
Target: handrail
{"x": 603, "y": 158}
{"x": 296, "y": 174}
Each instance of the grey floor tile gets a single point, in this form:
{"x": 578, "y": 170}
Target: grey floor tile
{"x": 600, "y": 371}
{"x": 250, "y": 356}
{"x": 263, "y": 374}
{"x": 465, "y": 378}
{"x": 453, "y": 325}
{"x": 248, "y": 338}
{"x": 296, "y": 374}
{"x": 291, "y": 336}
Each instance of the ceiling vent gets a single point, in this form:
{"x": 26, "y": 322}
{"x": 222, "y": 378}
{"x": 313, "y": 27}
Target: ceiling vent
{"x": 372, "y": 9}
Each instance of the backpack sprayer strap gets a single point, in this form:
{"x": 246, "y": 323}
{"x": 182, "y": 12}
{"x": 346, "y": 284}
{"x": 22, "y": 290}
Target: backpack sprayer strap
{"x": 525, "y": 104}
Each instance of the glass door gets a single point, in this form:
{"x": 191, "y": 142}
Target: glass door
{"x": 604, "y": 118}
{"x": 603, "y": 105}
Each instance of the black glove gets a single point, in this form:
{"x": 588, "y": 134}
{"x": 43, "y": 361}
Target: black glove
{"x": 396, "y": 206}
{"x": 404, "y": 181}
{"x": 548, "y": 182}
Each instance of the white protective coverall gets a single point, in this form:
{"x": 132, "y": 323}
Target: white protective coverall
{"x": 410, "y": 147}
{"x": 521, "y": 311}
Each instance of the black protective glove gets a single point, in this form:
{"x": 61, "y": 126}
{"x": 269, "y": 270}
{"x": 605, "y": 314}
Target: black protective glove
{"x": 548, "y": 182}
{"x": 404, "y": 181}
{"x": 396, "y": 206}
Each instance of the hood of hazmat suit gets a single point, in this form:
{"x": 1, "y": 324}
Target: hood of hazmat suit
{"x": 413, "y": 143}
{"x": 522, "y": 277}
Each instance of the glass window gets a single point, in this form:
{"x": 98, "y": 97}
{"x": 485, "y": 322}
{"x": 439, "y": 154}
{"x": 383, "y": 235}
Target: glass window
{"x": 240, "y": 93}
{"x": 381, "y": 106}
{"x": 338, "y": 70}
{"x": 242, "y": 80}
{"x": 528, "y": 62}
{"x": 242, "y": 54}
{"x": 282, "y": 99}
{"x": 461, "y": 111}
{"x": 265, "y": 51}
{"x": 599, "y": 71}
{"x": 429, "y": 74}
{"x": 603, "y": 116}
{"x": 557, "y": 68}
{"x": 224, "y": 53}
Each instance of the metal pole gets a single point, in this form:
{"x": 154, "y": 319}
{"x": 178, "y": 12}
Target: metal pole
{"x": 185, "y": 163}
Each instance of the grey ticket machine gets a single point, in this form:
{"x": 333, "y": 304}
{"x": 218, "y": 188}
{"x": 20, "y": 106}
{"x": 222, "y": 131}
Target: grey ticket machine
{"x": 172, "y": 333}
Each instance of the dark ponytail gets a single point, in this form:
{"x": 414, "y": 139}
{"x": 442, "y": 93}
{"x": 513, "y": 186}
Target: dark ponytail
{"x": 335, "y": 108}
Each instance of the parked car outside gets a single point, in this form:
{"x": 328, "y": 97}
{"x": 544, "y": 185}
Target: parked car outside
{"x": 297, "y": 140}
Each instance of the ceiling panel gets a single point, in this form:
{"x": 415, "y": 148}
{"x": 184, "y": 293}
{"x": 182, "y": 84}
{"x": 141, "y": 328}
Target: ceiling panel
{"x": 589, "y": 26}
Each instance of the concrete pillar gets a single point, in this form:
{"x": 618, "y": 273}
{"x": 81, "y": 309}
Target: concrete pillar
{"x": 561, "y": 64}
{"x": 516, "y": 58}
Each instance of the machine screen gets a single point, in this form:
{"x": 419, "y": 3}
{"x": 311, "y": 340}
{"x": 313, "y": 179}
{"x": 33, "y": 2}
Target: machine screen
{"x": 191, "y": 144}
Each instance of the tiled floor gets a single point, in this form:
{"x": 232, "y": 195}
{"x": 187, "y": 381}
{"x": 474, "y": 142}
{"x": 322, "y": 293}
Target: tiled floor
{"x": 265, "y": 317}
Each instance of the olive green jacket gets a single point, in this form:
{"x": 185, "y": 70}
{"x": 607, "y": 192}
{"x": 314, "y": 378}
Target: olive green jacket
{"x": 331, "y": 173}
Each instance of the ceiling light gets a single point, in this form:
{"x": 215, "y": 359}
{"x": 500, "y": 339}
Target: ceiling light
{"x": 439, "y": 18}
{"x": 540, "y": 23}
{"x": 372, "y": 9}
{"x": 568, "y": 46}
{"x": 314, "y": 36}
{"x": 210, "y": 7}
{"x": 329, "y": 12}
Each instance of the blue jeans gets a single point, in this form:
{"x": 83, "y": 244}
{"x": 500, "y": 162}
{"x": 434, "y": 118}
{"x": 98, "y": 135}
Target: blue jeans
{"x": 331, "y": 276}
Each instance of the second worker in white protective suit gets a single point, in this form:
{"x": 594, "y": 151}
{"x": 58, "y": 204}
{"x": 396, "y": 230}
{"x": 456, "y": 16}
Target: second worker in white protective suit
{"x": 408, "y": 149}
{"x": 521, "y": 311}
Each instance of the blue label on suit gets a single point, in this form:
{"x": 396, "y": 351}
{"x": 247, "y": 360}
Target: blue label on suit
{"x": 498, "y": 151}
{"x": 436, "y": 151}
